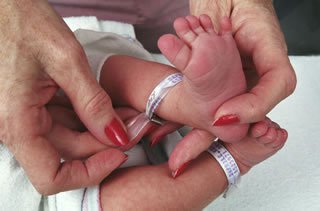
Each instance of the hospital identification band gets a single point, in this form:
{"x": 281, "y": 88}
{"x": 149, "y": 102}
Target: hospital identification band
{"x": 227, "y": 162}
{"x": 160, "y": 91}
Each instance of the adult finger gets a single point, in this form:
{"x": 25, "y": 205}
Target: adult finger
{"x": 138, "y": 126}
{"x": 157, "y": 135}
{"x": 126, "y": 113}
{"x": 30, "y": 45}
{"x": 66, "y": 117}
{"x": 49, "y": 175}
{"x": 262, "y": 98}
{"x": 259, "y": 38}
{"x": 65, "y": 62}
{"x": 42, "y": 162}
{"x": 72, "y": 144}
{"x": 190, "y": 146}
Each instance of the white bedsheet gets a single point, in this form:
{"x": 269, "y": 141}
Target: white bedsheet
{"x": 290, "y": 180}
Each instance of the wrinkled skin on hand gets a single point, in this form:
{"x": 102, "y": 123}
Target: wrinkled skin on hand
{"x": 39, "y": 54}
{"x": 137, "y": 124}
{"x": 268, "y": 71}
{"x": 262, "y": 46}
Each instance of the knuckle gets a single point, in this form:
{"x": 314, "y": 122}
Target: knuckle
{"x": 258, "y": 111}
{"x": 76, "y": 52}
{"x": 46, "y": 188}
{"x": 71, "y": 53}
{"x": 53, "y": 183}
{"x": 64, "y": 53}
{"x": 100, "y": 102}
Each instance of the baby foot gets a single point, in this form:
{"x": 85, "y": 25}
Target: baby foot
{"x": 212, "y": 70}
{"x": 265, "y": 140}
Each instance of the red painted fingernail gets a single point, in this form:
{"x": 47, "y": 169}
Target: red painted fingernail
{"x": 151, "y": 129}
{"x": 116, "y": 133}
{"x": 226, "y": 120}
{"x": 155, "y": 141}
{"x": 180, "y": 170}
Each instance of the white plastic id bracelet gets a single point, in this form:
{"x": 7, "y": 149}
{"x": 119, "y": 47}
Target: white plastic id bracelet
{"x": 227, "y": 162}
{"x": 159, "y": 92}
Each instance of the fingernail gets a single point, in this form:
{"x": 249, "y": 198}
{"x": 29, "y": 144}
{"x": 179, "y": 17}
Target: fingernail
{"x": 226, "y": 120}
{"x": 151, "y": 129}
{"x": 116, "y": 133}
{"x": 155, "y": 141}
{"x": 180, "y": 170}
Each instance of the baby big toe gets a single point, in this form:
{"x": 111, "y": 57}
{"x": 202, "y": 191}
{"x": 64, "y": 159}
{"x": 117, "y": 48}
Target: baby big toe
{"x": 175, "y": 50}
{"x": 279, "y": 141}
{"x": 183, "y": 30}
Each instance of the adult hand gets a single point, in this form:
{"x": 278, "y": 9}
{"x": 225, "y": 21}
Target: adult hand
{"x": 203, "y": 172}
{"x": 67, "y": 127}
{"x": 39, "y": 55}
{"x": 202, "y": 182}
{"x": 264, "y": 54}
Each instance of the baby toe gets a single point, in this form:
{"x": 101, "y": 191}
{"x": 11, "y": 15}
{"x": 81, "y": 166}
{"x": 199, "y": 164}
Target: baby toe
{"x": 175, "y": 50}
{"x": 259, "y": 129}
{"x": 269, "y": 137}
{"x": 226, "y": 26}
{"x": 206, "y": 23}
{"x": 194, "y": 24}
{"x": 283, "y": 137}
{"x": 279, "y": 141}
{"x": 183, "y": 30}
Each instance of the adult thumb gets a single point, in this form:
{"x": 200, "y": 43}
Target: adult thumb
{"x": 71, "y": 71}
{"x": 254, "y": 105}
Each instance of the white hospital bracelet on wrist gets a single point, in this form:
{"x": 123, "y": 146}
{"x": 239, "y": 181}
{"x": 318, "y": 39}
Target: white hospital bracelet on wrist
{"x": 227, "y": 162}
{"x": 160, "y": 91}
